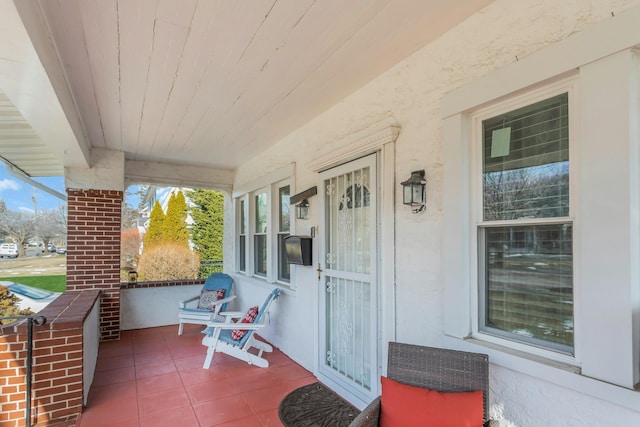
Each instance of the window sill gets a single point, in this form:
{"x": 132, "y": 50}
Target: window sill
{"x": 258, "y": 281}
{"x": 551, "y": 371}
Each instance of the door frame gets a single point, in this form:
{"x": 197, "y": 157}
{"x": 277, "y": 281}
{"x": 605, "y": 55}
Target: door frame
{"x": 380, "y": 139}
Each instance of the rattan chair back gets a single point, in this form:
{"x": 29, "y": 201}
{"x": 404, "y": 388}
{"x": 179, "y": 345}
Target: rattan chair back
{"x": 440, "y": 369}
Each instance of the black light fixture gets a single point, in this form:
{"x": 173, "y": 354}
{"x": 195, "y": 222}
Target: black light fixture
{"x": 413, "y": 191}
{"x": 302, "y": 209}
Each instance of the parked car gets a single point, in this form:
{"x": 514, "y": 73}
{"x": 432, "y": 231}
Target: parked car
{"x": 51, "y": 248}
{"x": 8, "y": 250}
{"x": 61, "y": 250}
{"x": 35, "y": 247}
{"x": 32, "y": 298}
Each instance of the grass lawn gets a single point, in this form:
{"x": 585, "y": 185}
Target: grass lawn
{"x": 56, "y": 283}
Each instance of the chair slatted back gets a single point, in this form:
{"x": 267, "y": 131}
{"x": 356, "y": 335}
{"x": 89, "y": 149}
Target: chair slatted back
{"x": 261, "y": 311}
{"x": 219, "y": 281}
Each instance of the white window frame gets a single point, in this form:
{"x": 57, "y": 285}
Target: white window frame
{"x": 275, "y": 250}
{"x": 241, "y": 204}
{"x": 568, "y": 86}
{"x": 276, "y": 180}
{"x": 607, "y": 333}
{"x": 254, "y": 232}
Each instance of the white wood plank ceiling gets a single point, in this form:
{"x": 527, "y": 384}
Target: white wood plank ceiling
{"x": 212, "y": 82}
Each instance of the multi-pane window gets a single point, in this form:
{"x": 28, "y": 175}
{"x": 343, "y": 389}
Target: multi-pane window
{"x": 242, "y": 238}
{"x": 263, "y": 223}
{"x": 526, "y": 232}
{"x": 260, "y": 234}
{"x": 283, "y": 231}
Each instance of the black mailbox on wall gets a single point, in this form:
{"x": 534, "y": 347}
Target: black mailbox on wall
{"x": 298, "y": 249}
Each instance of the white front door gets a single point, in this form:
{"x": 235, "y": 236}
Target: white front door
{"x": 348, "y": 325}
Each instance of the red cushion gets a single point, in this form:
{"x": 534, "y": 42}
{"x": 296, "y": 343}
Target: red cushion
{"x": 208, "y": 298}
{"x": 405, "y": 405}
{"x": 236, "y": 334}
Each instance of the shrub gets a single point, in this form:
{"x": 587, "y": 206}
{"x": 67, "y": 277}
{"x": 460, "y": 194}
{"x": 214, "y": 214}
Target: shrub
{"x": 168, "y": 261}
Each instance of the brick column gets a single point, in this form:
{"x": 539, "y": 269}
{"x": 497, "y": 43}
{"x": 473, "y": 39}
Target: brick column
{"x": 93, "y": 251}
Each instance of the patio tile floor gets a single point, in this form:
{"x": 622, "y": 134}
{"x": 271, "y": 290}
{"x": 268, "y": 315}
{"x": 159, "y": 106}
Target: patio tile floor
{"x": 154, "y": 378}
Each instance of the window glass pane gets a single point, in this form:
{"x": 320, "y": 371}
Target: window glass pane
{"x": 529, "y": 284}
{"x": 526, "y": 162}
{"x": 284, "y": 209}
{"x": 284, "y": 273}
{"x": 243, "y": 253}
{"x": 261, "y": 213}
{"x": 260, "y": 253}
{"x": 243, "y": 220}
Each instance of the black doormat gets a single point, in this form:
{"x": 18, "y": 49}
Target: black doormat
{"x": 315, "y": 405}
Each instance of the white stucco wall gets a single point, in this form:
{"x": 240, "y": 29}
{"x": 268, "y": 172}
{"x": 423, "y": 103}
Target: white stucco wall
{"x": 410, "y": 96}
{"x": 150, "y": 307}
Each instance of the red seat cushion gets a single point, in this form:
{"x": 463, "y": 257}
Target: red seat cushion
{"x": 236, "y": 334}
{"x": 405, "y": 405}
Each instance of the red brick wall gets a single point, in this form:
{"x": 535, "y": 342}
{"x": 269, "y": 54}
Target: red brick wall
{"x": 57, "y": 364}
{"x": 93, "y": 251}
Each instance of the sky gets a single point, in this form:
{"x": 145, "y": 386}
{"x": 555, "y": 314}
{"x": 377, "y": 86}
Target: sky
{"x": 18, "y": 195}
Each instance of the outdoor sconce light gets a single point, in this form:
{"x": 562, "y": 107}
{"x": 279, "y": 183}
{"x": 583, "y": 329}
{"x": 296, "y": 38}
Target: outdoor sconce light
{"x": 302, "y": 209}
{"x": 413, "y": 191}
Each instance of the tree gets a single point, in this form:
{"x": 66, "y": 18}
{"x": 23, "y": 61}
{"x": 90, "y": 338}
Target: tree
{"x": 207, "y": 213}
{"x": 154, "y": 233}
{"x": 49, "y": 225}
{"x": 9, "y": 305}
{"x": 18, "y": 226}
{"x": 174, "y": 228}
{"x": 129, "y": 248}
{"x": 129, "y": 217}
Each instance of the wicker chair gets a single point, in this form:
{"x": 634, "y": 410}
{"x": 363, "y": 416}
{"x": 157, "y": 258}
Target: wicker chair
{"x": 436, "y": 369}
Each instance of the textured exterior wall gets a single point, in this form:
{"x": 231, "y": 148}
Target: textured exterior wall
{"x": 93, "y": 250}
{"x": 151, "y": 304}
{"x": 410, "y": 95}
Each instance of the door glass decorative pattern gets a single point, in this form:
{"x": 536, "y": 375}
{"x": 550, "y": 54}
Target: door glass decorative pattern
{"x": 348, "y": 336}
{"x": 348, "y": 247}
{"x": 347, "y": 204}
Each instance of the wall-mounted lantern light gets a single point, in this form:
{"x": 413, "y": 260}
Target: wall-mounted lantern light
{"x": 413, "y": 191}
{"x": 302, "y": 209}
{"x": 301, "y": 202}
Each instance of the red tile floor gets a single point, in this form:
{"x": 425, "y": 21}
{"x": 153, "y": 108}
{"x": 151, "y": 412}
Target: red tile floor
{"x": 154, "y": 378}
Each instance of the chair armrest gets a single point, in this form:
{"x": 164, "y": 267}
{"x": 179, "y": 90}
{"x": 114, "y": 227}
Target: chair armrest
{"x": 369, "y": 417}
{"x": 225, "y": 300}
{"x": 183, "y": 304}
{"x": 232, "y": 314}
{"x": 243, "y": 326}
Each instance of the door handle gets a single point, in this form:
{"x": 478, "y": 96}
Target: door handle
{"x": 319, "y": 270}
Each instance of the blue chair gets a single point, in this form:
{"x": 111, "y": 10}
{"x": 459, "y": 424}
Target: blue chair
{"x": 218, "y": 284}
{"x": 219, "y": 336}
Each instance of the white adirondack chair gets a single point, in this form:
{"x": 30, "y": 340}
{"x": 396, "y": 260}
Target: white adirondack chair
{"x": 218, "y": 336}
{"x": 188, "y": 311}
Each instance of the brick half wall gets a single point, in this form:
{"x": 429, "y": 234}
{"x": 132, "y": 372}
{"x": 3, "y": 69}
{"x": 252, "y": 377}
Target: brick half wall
{"x": 93, "y": 251}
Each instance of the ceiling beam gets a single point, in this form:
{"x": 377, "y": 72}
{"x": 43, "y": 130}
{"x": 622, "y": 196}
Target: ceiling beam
{"x": 138, "y": 172}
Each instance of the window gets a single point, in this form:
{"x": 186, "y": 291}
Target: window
{"x": 242, "y": 238}
{"x": 260, "y": 234}
{"x": 284, "y": 219}
{"x": 264, "y": 221}
{"x": 525, "y": 234}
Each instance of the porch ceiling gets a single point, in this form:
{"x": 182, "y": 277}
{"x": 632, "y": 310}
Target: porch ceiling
{"x": 207, "y": 83}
